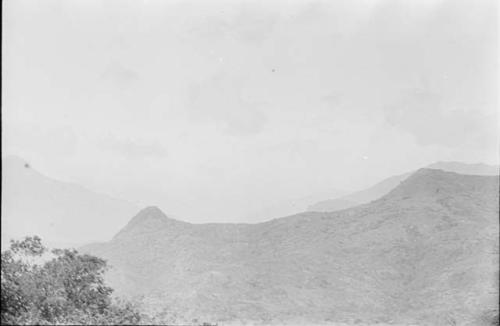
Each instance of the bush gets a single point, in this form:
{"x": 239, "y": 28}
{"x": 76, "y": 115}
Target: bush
{"x": 68, "y": 288}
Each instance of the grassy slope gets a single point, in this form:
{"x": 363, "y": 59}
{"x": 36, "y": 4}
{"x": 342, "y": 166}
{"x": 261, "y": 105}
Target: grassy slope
{"x": 425, "y": 253}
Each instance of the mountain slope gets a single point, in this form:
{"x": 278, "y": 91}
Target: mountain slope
{"x": 462, "y": 168}
{"x": 61, "y": 213}
{"x": 380, "y": 189}
{"x": 359, "y": 197}
{"x": 426, "y": 253}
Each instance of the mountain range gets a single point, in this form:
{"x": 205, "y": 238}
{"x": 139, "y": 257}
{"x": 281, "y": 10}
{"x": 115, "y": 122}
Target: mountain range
{"x": 425, "y": 253}
{"x": 385, "y": 186}
{"x": 62, "y": 213}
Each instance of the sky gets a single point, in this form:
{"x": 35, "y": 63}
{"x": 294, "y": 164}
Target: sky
{"x": 215, "y": 110}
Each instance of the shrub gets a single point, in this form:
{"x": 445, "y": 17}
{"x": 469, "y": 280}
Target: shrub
{"x": 67, "y": 288}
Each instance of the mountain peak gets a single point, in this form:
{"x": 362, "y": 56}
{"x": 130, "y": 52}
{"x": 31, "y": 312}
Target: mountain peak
{"x": 148, "y": 220}
{"x": 151, "y": 211}
{"x": 428, "y": 182}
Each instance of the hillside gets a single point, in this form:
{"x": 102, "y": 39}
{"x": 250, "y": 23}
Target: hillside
{"x": 426, "y": 253}
{"x": 61, "y": 213}
{"x": 382, "y": 188}
{"x": 463, "y": 168}
{"x": 359, "y": 197}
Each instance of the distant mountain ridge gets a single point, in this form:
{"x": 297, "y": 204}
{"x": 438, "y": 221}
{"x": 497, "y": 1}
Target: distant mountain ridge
{"x": 466, "y": 168}
{"x": 423, "y": 254}
{"x": 61, "y": 213}
{"x": 290, "y": 206}
{"x": 385, "y": 186}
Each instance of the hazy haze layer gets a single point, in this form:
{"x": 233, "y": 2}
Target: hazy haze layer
{"x": 215, "y": 111}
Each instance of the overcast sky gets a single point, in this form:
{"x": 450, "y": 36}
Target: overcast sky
{"x": 213, "y": 110}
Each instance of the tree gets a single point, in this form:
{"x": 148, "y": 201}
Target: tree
{"x": 64, "y": 288}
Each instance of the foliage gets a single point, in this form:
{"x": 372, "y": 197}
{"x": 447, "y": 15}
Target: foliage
{"x": 490, "y": 318}
{"x": 68, "y": 288}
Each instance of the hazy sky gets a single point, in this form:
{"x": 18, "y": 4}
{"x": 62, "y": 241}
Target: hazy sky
{"x": 213, "y": 110}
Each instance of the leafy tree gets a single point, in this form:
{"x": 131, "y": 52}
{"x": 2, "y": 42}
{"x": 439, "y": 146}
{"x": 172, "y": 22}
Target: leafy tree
{"x": 65, "y": 288}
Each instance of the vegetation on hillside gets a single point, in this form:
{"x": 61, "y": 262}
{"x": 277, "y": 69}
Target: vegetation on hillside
{"x": 424, "y": 254}
{"x": 57, "y": 287}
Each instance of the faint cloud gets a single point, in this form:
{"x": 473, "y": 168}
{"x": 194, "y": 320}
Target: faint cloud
{"x": 245, "y": 122}
{"x": 247, "y": 23}
{"x": 295, "y": 148}
{"x": 219, "y": 99}
{"x": 120, "y": 76}
{"x": 253, "y": 24}
{"x": 311, "y": 12}
{"x": 427, "y": 116}
{"x": 58, "y": 141}
{"x": 334, "y": 99}
{"x": 133, "y": 148}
